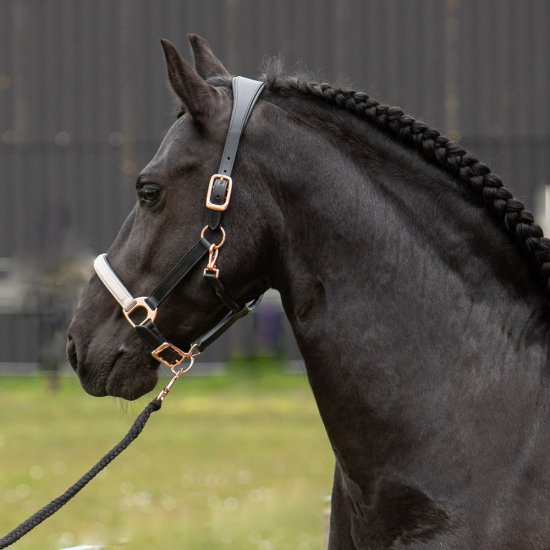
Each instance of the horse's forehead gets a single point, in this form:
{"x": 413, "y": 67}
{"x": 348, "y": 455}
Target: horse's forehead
{"x": 174, "y": 144}
{"x": 181, "y": 144}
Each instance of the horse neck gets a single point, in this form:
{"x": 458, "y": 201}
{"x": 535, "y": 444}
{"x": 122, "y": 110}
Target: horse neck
{"x": 402, "y": 291}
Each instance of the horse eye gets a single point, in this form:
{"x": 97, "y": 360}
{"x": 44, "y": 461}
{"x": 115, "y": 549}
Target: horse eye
{"x": 149, "y": 194}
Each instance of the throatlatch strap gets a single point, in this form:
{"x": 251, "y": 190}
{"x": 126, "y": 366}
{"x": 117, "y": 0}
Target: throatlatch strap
{"x": 245, "y": 94}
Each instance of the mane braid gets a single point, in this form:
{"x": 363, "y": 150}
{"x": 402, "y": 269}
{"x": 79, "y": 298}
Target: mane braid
{"x": 445, "y": 153}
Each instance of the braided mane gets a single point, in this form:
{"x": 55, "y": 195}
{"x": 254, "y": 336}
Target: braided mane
{"x": 442, "y": 151}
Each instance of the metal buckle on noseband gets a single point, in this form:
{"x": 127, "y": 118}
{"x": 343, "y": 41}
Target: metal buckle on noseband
{"x": 227, "y": 195}
{"x": 140, "y": 303}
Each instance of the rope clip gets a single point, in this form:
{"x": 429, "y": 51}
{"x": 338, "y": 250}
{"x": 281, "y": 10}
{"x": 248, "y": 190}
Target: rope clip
{"x": 190, "y": 355}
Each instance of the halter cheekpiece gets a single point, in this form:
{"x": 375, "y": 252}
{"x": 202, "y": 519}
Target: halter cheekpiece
{"x": 141, "y": 311}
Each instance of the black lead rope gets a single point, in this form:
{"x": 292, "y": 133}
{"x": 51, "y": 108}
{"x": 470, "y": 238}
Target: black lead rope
{"x": 51, "y": 508}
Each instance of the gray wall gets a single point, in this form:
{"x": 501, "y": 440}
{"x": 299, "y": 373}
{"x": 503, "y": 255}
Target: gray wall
{"x": 83, "y": 99}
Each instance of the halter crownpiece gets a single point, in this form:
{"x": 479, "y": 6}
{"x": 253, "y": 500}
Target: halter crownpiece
{"x": 141, "y": 311}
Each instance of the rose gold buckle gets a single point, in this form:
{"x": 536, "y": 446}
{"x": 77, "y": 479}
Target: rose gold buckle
{"x": 177, "y": 362}
{"x": 140, "y": 303}
{"x": 219, "y": 207}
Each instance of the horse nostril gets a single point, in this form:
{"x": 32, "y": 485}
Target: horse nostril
{"x": 71, "y": 353}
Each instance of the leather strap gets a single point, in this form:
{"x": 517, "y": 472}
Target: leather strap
{"x": 178, "y": 272}
{"x": 245, "y": 94}
{"x": 230, "y": 319}
{"x": 150, "y": 334}
{"x": 221, "y": 293}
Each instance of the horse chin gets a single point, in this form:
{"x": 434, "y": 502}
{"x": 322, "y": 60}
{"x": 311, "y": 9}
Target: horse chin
{"x": 125, "y": 378}
{"x": 128, "y": 381}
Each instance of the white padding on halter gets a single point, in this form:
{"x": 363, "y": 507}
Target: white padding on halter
{"x": 113, "y": 284}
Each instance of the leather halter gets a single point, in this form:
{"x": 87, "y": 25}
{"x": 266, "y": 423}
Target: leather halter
{"x": 141, "y": 311}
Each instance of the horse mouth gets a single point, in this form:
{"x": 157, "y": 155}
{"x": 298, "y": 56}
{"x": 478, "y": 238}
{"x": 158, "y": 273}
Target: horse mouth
{"x": 128, "y": 375}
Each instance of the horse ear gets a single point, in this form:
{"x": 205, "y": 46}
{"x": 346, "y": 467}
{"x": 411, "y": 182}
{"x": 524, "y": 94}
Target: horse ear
{"x": 198, "y": 97}
{"x": 206, "y": 63}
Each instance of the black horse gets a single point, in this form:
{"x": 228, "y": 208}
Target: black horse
{"x": 414, "y": 283}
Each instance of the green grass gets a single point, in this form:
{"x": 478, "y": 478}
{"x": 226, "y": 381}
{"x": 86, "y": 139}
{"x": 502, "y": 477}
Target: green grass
{"x": 234, "y": 461}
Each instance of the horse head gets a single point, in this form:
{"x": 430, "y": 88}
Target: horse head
{"x": 166, "y": 220}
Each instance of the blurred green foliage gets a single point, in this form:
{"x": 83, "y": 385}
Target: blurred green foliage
{"x": 239, "y": 460}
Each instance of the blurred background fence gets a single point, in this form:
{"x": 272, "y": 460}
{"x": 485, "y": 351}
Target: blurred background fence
{"x": 84, "y": 105}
